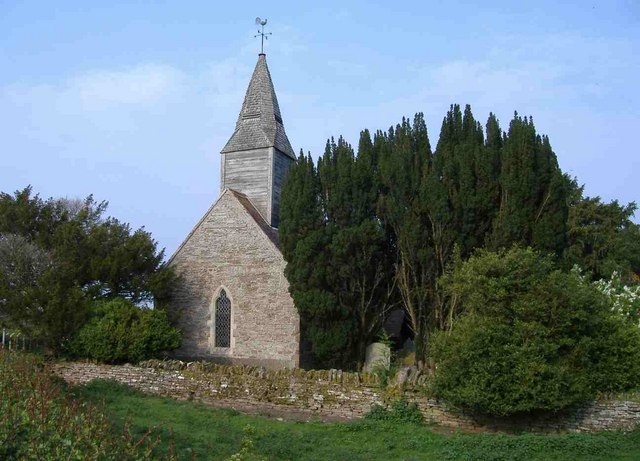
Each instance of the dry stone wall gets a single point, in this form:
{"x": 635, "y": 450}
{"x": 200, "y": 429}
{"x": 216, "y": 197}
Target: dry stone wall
{"x": 327, "y": 395}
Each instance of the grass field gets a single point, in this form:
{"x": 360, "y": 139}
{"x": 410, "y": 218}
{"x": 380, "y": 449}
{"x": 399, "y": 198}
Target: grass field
{"x": 217, "y": 434}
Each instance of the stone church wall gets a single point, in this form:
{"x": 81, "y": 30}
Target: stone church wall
{"x": 328, "y": 395}
{"x": 227, "y": 249}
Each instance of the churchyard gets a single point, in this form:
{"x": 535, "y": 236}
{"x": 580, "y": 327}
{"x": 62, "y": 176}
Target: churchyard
{"x": 42, "y": 418}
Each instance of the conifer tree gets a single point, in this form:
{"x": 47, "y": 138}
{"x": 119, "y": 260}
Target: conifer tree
{"x": 339, "y": 266}
{"x": 304, "y": 241}
{"x": 404, "y": 158}
{"x": 396, "y": 210}
{"x": 603, "y": 239}
{"x": 534, "y": 192}
{"x": 300, "y": 212}
{"x": 90, "y": 257}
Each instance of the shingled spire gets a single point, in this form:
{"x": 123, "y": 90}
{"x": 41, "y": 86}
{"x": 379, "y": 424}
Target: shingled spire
{"x": 256, "y": 158}
{"x": 260, "y": 122}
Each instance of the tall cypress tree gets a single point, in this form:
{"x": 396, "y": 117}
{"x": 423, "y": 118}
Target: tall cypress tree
{"x": 304, "y": 240}
{"x": 534, "y": 192}
{"x": 339, "y": 268}
{"x": 488, "y": 178}
{"x": 404, "y": 158}
{"x": 300, "y": 212}
{"x": 459, "y": 193}
{"x": 549, "y": 228}
{"x": 518, "y": 183}
{"x": 430, "y": 209}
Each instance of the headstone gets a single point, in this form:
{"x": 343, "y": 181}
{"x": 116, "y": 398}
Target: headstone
{"x": 405, "y": 374}
{"x": 377, "y": 355}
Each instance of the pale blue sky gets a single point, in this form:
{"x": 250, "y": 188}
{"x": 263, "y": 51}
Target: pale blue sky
{"x": 132, "y": 101}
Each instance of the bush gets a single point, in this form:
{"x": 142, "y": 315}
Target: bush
{"x": 40, "y": 420}
{"x": 530, "y": 338}
{"x": 119, "y": 331}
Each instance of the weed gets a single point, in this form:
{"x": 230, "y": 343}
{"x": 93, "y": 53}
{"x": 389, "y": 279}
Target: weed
{"x": 400, "y": 411}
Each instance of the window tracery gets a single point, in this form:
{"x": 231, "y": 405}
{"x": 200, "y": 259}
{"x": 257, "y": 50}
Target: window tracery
{"x": 223, "y": 320}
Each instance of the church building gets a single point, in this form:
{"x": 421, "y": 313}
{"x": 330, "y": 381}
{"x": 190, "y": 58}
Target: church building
{"x": 232, "y": 301}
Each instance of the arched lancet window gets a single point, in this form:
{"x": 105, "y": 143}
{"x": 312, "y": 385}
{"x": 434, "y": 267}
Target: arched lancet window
{"x": 223, "y": 320}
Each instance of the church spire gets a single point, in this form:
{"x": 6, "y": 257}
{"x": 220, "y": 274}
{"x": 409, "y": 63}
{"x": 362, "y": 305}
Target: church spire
{"x": 259, "y": 124}
{"x": 256, "y": 159}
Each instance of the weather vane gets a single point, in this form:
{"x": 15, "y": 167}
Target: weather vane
{"x": 262, "y": 22}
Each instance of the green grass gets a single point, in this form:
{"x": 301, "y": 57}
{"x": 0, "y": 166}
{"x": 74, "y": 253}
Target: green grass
{"x": 217, "y": 434}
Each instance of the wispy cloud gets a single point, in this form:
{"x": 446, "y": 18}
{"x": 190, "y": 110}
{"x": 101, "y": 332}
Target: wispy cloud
{"x": 98, "y": 90}
{"x": 486, "y": 81}
{"x": 143, "y": 84}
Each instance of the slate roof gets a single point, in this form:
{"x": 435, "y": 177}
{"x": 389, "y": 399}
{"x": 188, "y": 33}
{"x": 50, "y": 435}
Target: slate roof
{"x": 259, "y": 124}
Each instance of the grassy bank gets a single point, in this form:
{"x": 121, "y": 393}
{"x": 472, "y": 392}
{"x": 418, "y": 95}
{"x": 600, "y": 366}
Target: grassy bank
{"x": 217, "y": 434}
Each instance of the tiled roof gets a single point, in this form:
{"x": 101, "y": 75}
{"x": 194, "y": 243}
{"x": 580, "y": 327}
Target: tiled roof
{"x": 259, "y": 124}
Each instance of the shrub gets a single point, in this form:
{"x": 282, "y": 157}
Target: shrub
{"x": 530, "y": 338}
{"x": 40, "y": 420}
{"x": 623, "y": 299}
{"x": 119, "y": 331}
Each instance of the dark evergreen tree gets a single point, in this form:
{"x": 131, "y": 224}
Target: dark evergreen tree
{"x": 305, "y": 241}
{"x": 338, "y": 266}
{"x": 90, "y": 257}
{"x": 534, "y": 192}
{"x": 603, "y": 239}
{"x": 384, "y": 225}
{"x": 404, "y": 158}
{"x": 300, "y": 212}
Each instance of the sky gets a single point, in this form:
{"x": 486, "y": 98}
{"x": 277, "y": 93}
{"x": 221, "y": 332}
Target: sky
{"x": 133, "y": 101}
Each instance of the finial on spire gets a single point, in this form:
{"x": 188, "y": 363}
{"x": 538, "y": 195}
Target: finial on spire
{"x": 261, "y": 33}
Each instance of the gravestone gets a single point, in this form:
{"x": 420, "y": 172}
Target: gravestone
{"x": 377, "y": 355}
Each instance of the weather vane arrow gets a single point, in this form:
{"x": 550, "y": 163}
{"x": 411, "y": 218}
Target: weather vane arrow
{"x": 261, "y": 33}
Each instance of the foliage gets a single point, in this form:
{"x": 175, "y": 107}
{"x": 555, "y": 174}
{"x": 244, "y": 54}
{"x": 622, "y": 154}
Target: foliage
{"x": 404, "y": 155}
{"x": 34, "y": 299}
{"x": 56, "y": 255}
{"x": 247, "y": 450}
{"x": 603, "y": 239}
{"x": 623, "y": 299}
{"x": 119, "y": 331}
{"x": 416, "y": 211}
{"x": 534, "y": 195}
{"x": 399, "y": 411}
{"x": 339, "y": 267}
{"x": 40, "y": 420}
{"x": 531, "y": 337}
{"x": 22, "y": 267}
{"x": 219, "y": 433}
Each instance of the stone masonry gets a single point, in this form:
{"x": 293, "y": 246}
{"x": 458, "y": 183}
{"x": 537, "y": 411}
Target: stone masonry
{"x": 329, "y": 395}
{"x": 233, "y": 249}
